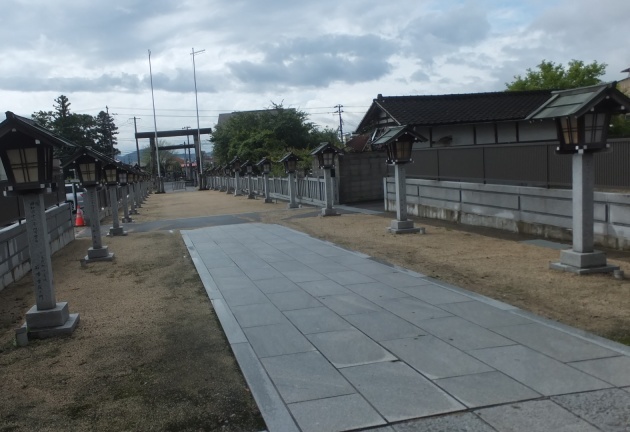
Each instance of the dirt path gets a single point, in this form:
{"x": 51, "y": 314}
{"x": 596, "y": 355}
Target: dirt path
{"x": 149, "y": 353}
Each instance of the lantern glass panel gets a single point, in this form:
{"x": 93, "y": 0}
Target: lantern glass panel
{"x": 111, "y": 175}
{"x": 24, "y": 164}
{"x": 569, "y": 127}
{"x": 266, "y": 167}
{"x": 328, "y": 159}
{"x": 594, "y": 128}
{"x": 122, "y": 177}
{"x": 88, "y": 171}
{"x": 290, "y": 165}
{"x": 249, "y": 169}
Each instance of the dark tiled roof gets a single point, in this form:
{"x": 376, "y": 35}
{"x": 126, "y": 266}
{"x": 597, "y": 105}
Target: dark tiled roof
{"x": 357, "y": 143}
{"x": 458, "y": 108}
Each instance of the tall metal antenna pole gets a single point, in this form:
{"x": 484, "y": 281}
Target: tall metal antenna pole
{"x": 198, "y": 146}
{"x": 157, "y": 154}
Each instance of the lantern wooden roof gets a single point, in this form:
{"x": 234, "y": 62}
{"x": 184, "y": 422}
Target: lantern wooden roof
{"x": 31, "y": 128}
{"x": 579, "y": 101}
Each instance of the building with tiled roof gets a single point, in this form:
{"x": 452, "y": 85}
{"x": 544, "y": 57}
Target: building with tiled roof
{"x": 460, "y": 119}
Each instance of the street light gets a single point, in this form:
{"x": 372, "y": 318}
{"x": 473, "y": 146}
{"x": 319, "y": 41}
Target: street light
{"x": 265, "y": 165}
{"x": 290, "y": 165}
{"x": 326, "y": 154}
{"x": 89, "y": 167}
{"x": 26, "y": 160}
{"x": 111, "y": 179}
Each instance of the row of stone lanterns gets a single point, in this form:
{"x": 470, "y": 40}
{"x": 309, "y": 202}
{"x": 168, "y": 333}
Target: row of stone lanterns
{"x": 95, "y": 170}
{"x": 26, "y": 160}
{"x": 325, "y": 153}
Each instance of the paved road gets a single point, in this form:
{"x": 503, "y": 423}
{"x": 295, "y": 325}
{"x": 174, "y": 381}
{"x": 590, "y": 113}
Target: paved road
{"x": 330, "y": 340}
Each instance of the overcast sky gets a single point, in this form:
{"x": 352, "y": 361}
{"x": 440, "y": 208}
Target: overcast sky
{"x": 310, "y": 54}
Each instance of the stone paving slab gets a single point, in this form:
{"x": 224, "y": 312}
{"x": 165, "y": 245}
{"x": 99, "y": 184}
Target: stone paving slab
{"x": 537, "y": 416}
{"x": 349, "y": 348}
{"x": 608, "y": 410}
{"x": 398, "y": 392}
{"x": 484, "y": 389}
{"x": 331, "y": 339}
{"x": 541, "y": 373}
{"x": 317, "y": 320}
{"x": 613, "y": 370}
{"x": 323, "y": 380}
{"x": 554, "y": 343}
{"x": 335, "y": 414}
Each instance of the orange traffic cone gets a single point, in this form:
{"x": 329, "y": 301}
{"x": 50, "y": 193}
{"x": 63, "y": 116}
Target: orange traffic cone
{"x": 79, "y": 222}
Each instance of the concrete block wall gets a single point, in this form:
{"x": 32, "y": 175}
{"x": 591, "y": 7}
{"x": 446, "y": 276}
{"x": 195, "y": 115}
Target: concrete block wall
{"x": 527, "y": 210}
{"x": 14, "y": 254}
{"x": 360, "y": 175}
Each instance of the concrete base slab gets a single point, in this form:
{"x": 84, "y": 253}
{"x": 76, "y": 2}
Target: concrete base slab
{"x": 292, "y": 206}
{"x": 135, "y": 212}
{"x": 582, "y": 259}
{"x": 120, "y": 231}
{"x": 268, "y": 201}
{"x": 127, "y": 220}
{"x": 56, "y": 316}
{"x": 329, "y": 212}
{"x": 251, "y": 196}
{"x": 101, "y": 254}
{"x": 404, "y": 227}
{"x": 588, "y": 270}
{"x": 65, "y": 329}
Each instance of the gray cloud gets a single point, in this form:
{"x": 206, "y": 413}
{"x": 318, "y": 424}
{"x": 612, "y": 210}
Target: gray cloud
{"x": 317, "y": 62}
{"x": 439, "y": 33}
{"x": 180, "y": 82}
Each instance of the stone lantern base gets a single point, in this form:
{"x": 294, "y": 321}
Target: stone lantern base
{"x": 120, "y": 231}
{"x": 101, "y": 254}
{"x": 51, "y": 322}
{"x": 330, "y": 212}
{"x": 404, "y": 227}
{"x": 583, "y": 262}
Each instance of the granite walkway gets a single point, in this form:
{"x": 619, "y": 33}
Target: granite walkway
{"x": 331, "y": 340}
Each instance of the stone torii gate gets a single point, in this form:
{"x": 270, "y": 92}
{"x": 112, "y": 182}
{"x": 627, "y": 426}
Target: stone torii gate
{"x": 177, "y": 133}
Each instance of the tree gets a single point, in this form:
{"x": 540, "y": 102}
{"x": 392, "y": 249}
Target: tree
{"x": 551, "y": 76}
{"x": 80, "y": 129}
{"x": 167, "y": 159}
{"x": 105, "y": 132}
{"x": 272, "y": 133}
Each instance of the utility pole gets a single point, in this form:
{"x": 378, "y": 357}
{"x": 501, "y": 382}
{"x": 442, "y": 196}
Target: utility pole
{"x": 198, "y": 146}
{"x": 339, "y": 111}
{"x": 135, "y": 128}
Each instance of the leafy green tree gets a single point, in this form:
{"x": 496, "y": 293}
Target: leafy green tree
{"x": 80, "y": 129}
{"x": 274, "y": 132}
{"x": 551, "y": 76}
{"x": 167, "y": 159}
{"x": 105, "y": 132}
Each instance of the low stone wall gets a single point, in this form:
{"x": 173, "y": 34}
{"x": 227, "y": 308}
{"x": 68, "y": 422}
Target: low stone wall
{"x": 14, "y": 254}
{"x": 527, "y": 210}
